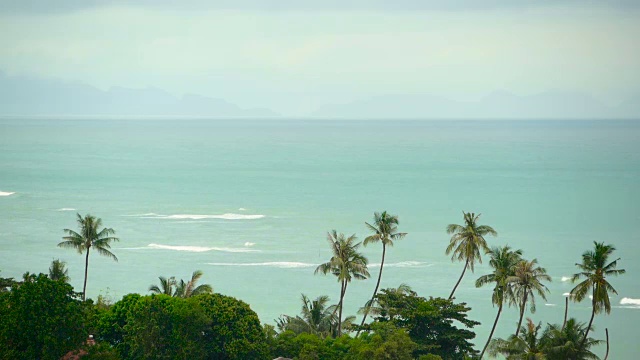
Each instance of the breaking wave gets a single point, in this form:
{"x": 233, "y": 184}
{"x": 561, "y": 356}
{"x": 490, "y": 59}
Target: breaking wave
{"x": 228, "y": 216}
{"x": 278, "y": 264}
{"x": 189, "y": 248}
{"x": 249, "y": 244}
{"x": 66, "y": 209}
{"x": 630, "y": 302}
{"x": 404, "y": 264}
{"x": 5, "y": 193}
{"x": 566, "y": 278}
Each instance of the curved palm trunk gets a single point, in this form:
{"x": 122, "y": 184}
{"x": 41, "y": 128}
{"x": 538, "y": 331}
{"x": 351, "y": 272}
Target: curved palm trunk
{"x": 492, "y": 330}
{"x": 375, "y": 291}
{"x": 86, "y": 270}
{"x": 522, "y": 307}
{"x": 566, "y": 311}
{"x": 343, "y": 289}
{"x": 606, "y": 356}
{"x": 466, "y": 264}
{"x": 593, "y": 314}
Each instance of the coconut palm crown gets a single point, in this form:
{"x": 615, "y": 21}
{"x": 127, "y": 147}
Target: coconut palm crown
{"x": 467, "y": 242}
{"x": 385, "y": 230}
{"x": 503, "y": 261}
{"x": 90, "y": 236}
{"x": 595, "y": 268}
{"x": 346, "y": 263}
{"x": 526, "y": 282}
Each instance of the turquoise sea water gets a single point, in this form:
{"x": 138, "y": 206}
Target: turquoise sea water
{"x": 268, "y": 191}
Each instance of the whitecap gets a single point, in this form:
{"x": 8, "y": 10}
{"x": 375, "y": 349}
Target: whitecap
{"x": 278, "y": 264}
{"x": 566, "y": 294}
{"x": 4, "y": 193}
{"x": 190, "y": 248}
{"x": 549, "y": 304}
{"x": 228, "y": 216}
{"x": 630, "y": 301}
{"x": 66, "y": 209}
{"x": 242, "y": 209}
{"x": 566, "y": 278}
{"x": 404, "y": 264}
{"x": 249, "y": 244}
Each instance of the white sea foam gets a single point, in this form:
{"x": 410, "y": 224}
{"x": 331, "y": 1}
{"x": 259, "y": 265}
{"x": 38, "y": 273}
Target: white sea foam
{"x": 404, "y": 264}
{"x": 549, "y": 304}
{"x": 198, "y": 248}
{"x": 566, "y": 294}
{"x": 242, "y": 209}
{"x": 4, "y": 193}
{"x": 630, "y": 301}
{"x": 566, "y": 278}
{"x": 278, "y": 264}
{"x": 66, "y": 209}
{"x": 228, "y": 216}
{"x": 249, "y": 244}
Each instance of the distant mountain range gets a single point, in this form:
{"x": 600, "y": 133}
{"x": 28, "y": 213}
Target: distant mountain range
{"x": 29, "y": 96}
{"x": 33, "y": 96}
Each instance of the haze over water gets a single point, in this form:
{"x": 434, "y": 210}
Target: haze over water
{"x": 249, "y": 202}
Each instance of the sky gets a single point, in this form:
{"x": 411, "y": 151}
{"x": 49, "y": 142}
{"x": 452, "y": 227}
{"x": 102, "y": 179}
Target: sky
{"x": 295, "y": 56}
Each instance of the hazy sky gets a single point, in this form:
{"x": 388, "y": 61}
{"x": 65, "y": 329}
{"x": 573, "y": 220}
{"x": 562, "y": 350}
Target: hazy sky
{"x": 294, "y": 55}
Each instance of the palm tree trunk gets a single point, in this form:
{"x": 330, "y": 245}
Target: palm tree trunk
{"x": 375, "y": 291}
{"x": 522, "y": 307}
{"x": 566, "y": 311}
{"x": 466, "y": 264}
{"x": 593, "y": 314}
{"x": 86, "y": 271}
{"x": 343, "y": 289}
{"x": 606, "y": 356}
{"x": 492, "y": 330}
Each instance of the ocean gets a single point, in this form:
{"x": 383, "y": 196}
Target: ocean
{"x": 249, "y": 202}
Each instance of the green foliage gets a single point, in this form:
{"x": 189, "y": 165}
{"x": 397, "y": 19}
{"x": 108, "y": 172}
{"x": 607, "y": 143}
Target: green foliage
{"x": 234, "y": 331}
{"x": 183, "y": 288}
{"x": 110, "y": 326}
{"x": 431, "y": 324}
{"x": 40, "y": 319}
{"x": 163, "y": 327}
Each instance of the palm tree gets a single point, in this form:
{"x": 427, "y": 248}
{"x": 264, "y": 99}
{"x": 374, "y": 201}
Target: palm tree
{"x": 595, "y": 267}
{"x": 385, "y": 229}
{"x": 58, "y": 271}
{"x": 527, "y": 280}
{"x": 526, "y": 346}
{"x": 345, "y": 264}
{"x": 381, "y": 308}
{"x": 503, "y": 261}
{"x": 189, "y": 289}
{"x": 166, "y": 286}
{"x": 566, "y": 343}
{"x": 90, "y": 236}
{"x": 317, "y": 317}
{"x": 466, "y": 243}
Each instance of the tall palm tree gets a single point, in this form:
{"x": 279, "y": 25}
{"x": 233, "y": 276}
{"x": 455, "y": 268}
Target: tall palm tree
{"x": 58, "y": 271}
{"x": 525, "y": 346}
{"x": 566, "y": 343}
{"x": 503, "y": 261}
{"x": 166, "y": 286}
{"x": 385, "y": 230}
{"x": 346, "y": 263}
{"x": 595, "y": 267}
{"x": 527, "y": 280}
{"x": 466, "y": 243}
{"x": 189, "y": 289}
{"x": 90, "y": 236}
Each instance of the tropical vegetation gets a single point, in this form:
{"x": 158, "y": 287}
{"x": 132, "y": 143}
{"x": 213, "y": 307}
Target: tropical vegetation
{"x": 42, "y": 317}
